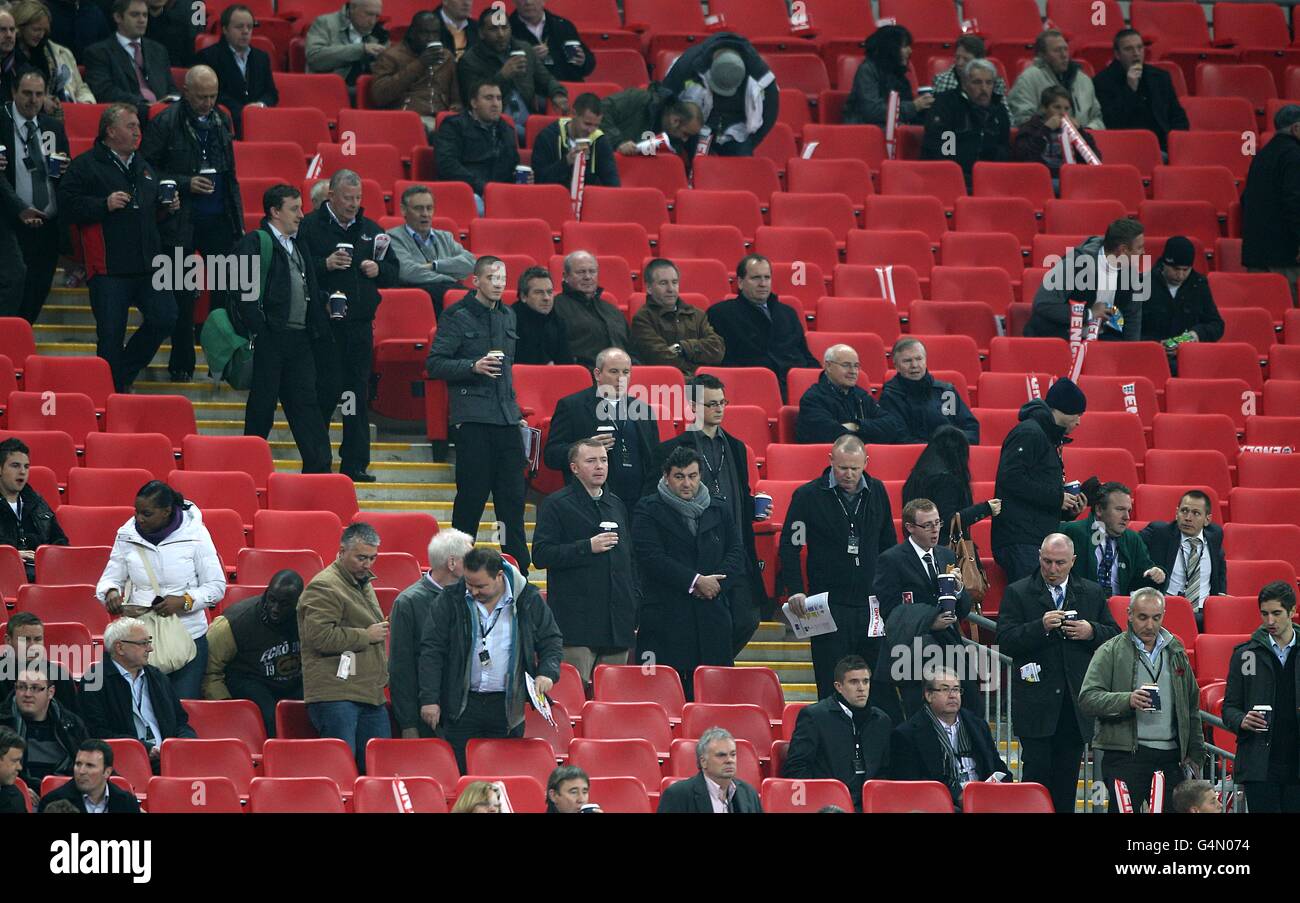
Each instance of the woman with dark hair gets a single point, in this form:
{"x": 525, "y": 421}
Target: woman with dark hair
{"x": 942, "y": 474}
{"x": 164, "y": 562}
{"x": 885, "y": 70}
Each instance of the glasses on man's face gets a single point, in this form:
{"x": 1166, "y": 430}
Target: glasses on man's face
{"x": 714, "y": 405}
{"x": 947, "y": 691}
{"x": 30, "y": 688}
{"x": 848, "y": 365}
{"x": 929, "y": 525}
{"x": 148, "y": 642}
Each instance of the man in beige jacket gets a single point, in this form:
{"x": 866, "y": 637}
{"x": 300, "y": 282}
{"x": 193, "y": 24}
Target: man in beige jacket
{"x": 342, "y": 630}
{"x": 1052, "y": 66}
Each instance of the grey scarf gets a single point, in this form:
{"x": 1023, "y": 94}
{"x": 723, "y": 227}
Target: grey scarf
{"x": 693, "y": 510}
{"x": 953, "y": 775}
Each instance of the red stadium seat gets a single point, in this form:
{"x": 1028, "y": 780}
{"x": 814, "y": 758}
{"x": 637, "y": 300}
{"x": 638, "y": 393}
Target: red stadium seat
{"x": 171, "y": 415}
{"x": 250, "y": 454}
{"x": 172, "y": 795}
{"x": 86, "y": 375}
{"x": 851, "y": 177}
{"x": 749, "y": 385}
{"x": 1284, "y": 362}
{"x": 665, "y": 172}
{"x": 1196, "y": 183}
{"x": 832, "y": 210}
{"x": 380, "y": 162}
{"x": 1154, "y": 502}
{"x": 755, "y": 174}
{"x": 1233, "y": 397}
{"x": 980, "y": 797}
{"x": 1218, "y": 360}
{"x": 283, "y": 161}
{"x": 837, "y": 314}
{"x": 403, "y": 531}
{"x": 953, "y": 352}
{"x": 1014, "y": 215}
{"x": 546, "y": 202}
{"x": 90, "y": 526}
{"x": 69, "y": 565}
{"x": 867, "y": 280}
{"x": 416, "y": 757}
{"x": 1176, "y": 467}
{"x": 228, "y": 719}
{"x": 300, "y": 794}
{"x": 645, "y": 206}
{"x": 621, "y": 720}
{"x": 258, "y": 566}
{"x": 1258, "y": 470}
{"x": 386, "y": 795}
{"x": 400, "y": 128}
{"x": 530, "y": 237}
{"x": 1251, "y": 82}
{"x": 1246, "y": 577}
{"x": 1261, "y": 542}
{"x": 213, "y": 489}
{"x": 1267, "y": 290}
{"x": 1282, "y": 398}
{"x": 1135, "y": 147}
{"x": 983, "y": 249}
{"x": 754, "y": 18}
{"x": 1214, "y": 654}
{"x": 632, "y": 683}
{"x": 328, "y": 757}
{"x": 395, "y": 570}
{"x": 626, "y": 240}
{"x": 1216, "y": 432}
{"x": 631, "y": 757}
{"x": 315, "y": 530}
{"x": 905, "y": 796}
{"x": 928, "y": 20}
{"x": 1250, "y": 25}
{"x": 69, "y": 412}
{"x": 893, "y": 213}
{"x": 150, "y": 451}
{"x": 310, "y": 126}
{"x": 53, "y": 448}
{"x": 1111, "y": 429}
{"x": 795, "y": 462}
{"x": 995, "y": 423}
{"x": 1011, "y": 391}
{"x": 524, "y": 793}
{"x": 401, "y": 335}
{"x": 968, "y": 319}
{"x": 1104, "y": 463}
{"x": 879, "y": 250}
{"x": 1251, "y": 325}
{"x": 988, "y": 285}
{"x": 847, "y": 142}
{"x": 1231, "y": 615}
{"x": 13, "y": 576}
{"x": 804, "y": 796}
{"x": 313, "y": 492}
{"x": 1280, "y": 431}
{"x": 1030, "y": 181}
{"x": 523, "y": 756}
{"x": 1193, "y": 219}
{"x": 940, "y": 178}
{"x": 761, "y": 686}
{"x": 742, "y": 720}
{"x": 1018, "y": 355}
{"x": 185, "y": 758}
{"x": 1129, "y": 359}
{"x": 806, "y": 243}
{"x": 236, "y": 593}
{"x": 1220, "y": 146}
{"x": 99, "y": 487}
{"x": 1117, "y": 181}
{"x": 1017, "y": 21}
{"x": 1092, "y": 215}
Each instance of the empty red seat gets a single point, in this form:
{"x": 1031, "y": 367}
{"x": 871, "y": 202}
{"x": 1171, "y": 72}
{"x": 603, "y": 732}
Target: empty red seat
{"x": 523, "y": 756}
{"x": 1220, "y": 146}
{"x": 222, "y": 719}
{"x": 983, "y": 249}
{"x": 1270, "y": 431}
{"x": 905, "y": 796}
{"x": 315, "y": 530}
{"x": 981, "y": 796}
{"x": 941, "y": 178}
{"x": 1267, "y": 290}
{"x": 529, "y": 237}
{"x": 1092, "y": 215}
{"x": 1016, "y": 21}
{"x": 849, "y": 176}
{"x": 972, "y": 319}
{"x": 69, "y": 412}
{"x": 1030, "y": 181}
{"x": 1264, "y": 471}
{"x": 313, "y": 492}
{"x": 760, "y": 686}
{"x": 150, "y": 451}
{"x": 1118, "y": 181}
{"x": 1282, "y": 397}
{"x": 1020, "y": 355}
{"x": 1246, "y": 577}
{"x": 1105, "y": 463}
{"x": 430, "y": 757}
{"x": 1192, "y": 183}
{"x": 397, "y": 794}
{"x": 836, "y": 314}
{"x": 735, "y": 208}
{"x": 1136, "y": 147}
{"x": 1011, "y": 390}
{"x": 1193, "y": 219}
{"x": 806, "y": 796}
{"x": 1232, "y": 397}
{"x": 106, "y": 486}
{"x": 228, "y": 758}
{"x": 632, "y": 683}
{"x": 830, "y": 210}
{"x": 1214, "y": 655}
{"x": 64, "y": 565}
{"x": 1260, "y": 542}
{"x": 326, "y": 757}
{"x": 1111, "y": 429}
{"x": 1197, "y": 431}
{"x": 1174, "y": 467}
{"x": 796, "y": 462}
{"x": 1129, "y": 359}
{"x": 93, "y": 526}
{"x": 1252, "y": 82}
{"x": 755, "y": 174}
{"x": 546, "y": 202}
{"x": 87, "y": 375}
{"x": 258, "y": 566}
{"x": 632, "y": 756}
{"x": 891, "y": 248}
{"x": 1219, "y": 360}
{"x": 953, "y": 352}
{"x": 171, "y": 415}
{"x": 742, "y": 720}
{"x": 1250, "y": 25}
{"x": 1251, "y": 325}
{"x": 174, "y": 795}
{"x": 928, "y": 20}
{"x": 213, "y": 489}
{"x": 303, "y": 794}
{"x": 847, "y": 142}
{"x": 1266, "y": 505}
{"x": 74, "y": 603}
{"x": 621, "y": 720}
{"x": 892, "y": 213}
{"x": 895, "y": 282}
{"x": 249, "y": 454}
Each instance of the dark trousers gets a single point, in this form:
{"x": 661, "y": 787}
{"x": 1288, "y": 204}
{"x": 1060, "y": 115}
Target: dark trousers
{"x": 347, "y": 385}
{"x": 484, "y": 717}
{"x": 284, "y": 368}
{"x": 264, "y": 695}
{"x": 1054, "y": 761}
{"x": 187, "y": 682}
{"x": 111, "y": 299}
{"x": 212, "y": 235}
{"x": 13, "y": 272}
{"x": 850, "y": 638}
{"x": 490, "y": 460}
{"x": 1018, "y": 561}
{"x": 1267, "y": 796}
{"x": 1135, "y": 770}
{"x": 40, "y": 247}
{"x": 438, "y": 292}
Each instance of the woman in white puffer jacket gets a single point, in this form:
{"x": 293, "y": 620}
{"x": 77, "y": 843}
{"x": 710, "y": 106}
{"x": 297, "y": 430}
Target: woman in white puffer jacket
{"x": 168, "y": 532}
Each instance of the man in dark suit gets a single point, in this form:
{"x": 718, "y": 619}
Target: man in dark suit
{"x": 1189, "y": 546}
{"x": 724, "y": 467}
{"x": 552, "y": 37}
{"x": 23, "y": 128}
{"x": 171, "y": 25}
{"x": 842, "y": 736}
{"x": 90, "y": 789}
{"x": 919, "y": 625}
{"x": 124, "y": 696}
{"x": 128, "y": 67}
{"x": 622, "y": 424}
{"x": 945, "y": 742}
{"x": 716, "y": 788}
{"x": 759, "y": 330}
{"x": 243, "y": 71}
{"x": 1050, "y": 624}
{"x": 1270, "y": 203}
{"x": 1136, "y": 96}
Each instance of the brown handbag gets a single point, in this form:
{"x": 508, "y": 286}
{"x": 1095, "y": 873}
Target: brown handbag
{"x": 968, "y": 562}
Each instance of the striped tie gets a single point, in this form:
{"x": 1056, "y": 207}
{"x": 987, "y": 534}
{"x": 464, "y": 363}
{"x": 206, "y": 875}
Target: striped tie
{"x": 1192, "y": 585}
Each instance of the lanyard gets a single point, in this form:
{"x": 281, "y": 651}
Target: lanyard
{"x": 852, "y": 518}
{"x": 495, "y": 616}
{"x": 714, "y": 472}
{"x": 1146, "y": 664}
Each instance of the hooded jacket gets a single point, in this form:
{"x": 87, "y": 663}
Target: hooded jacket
{"x": 921, "y": 405}
{"x": 1063, "y": 284}
{"x": 1247, "y": 688}
{"x": 551, "y": 164}
{"x": 184, "y": 562}
{"x": 687, "y": 80}
{"x": 69, "y": 732}
{"x": 1031, "y": 478}
{"x": 1028, "y": 91}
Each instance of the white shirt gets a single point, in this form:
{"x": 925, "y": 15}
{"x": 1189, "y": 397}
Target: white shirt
{"x": 22, "y": 176}
{"x": 921, "y": 553}
{"x": 1283, "y": 652}
{"x": 241, "y": 59}
{"x": 286, "y": 241}
{"x": 966, "y": 762}
{"x": 536, "y": 29}
{"x": 1178, "y": 578}
{"x": 717, "y": 797}
{"x": 141, "y": 705}
{"x": 93, "y": 808}
{"x": 334, "y": 216}
{"x": 1107, "y": 279}
{"x": 126, "y": 45}
{"x": 500, "y": 628}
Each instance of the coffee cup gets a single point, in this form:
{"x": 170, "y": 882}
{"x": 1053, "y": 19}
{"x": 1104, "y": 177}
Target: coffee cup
{"x": 498, "y": 356}
{"x": 762, "y": 506}
{"x": 571, "y": 49}
{"x": 338, "y": 305}
{"x": 948, "y": 591}
{"x": 55, "y": 163}
{"x": 523, "y": 174}
{"x": 208, "y": 172}
{"x": 167, "y": 192}
{"x": 433, "y": 45}
{"x": 923, "y": 90}
{"x": 608, "y": 526}
{"x": 345, "y": 247}
{"x": 514, "y": 53}
{"x": 1265, "y": 712}
{"x": 1154, "y": 692}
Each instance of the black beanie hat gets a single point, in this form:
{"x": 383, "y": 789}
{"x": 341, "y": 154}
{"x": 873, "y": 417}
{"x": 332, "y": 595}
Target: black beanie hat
{"x": 1066, "y": 397}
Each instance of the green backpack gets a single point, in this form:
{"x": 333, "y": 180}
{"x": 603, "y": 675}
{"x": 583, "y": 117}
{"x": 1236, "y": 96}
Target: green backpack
{"x": 228, "y": 351}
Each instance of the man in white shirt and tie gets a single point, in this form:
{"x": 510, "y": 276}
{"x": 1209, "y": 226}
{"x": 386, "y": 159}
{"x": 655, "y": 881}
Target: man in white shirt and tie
{"x": 1190, "y": 550}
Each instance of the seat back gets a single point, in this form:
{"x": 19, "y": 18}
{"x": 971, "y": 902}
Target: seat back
{"x": 905, "y": 796}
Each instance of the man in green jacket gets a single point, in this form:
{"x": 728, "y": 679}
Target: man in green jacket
{"x": 1142, "y": 731}
{"x": 1109, "y": 553}
{"x": 631, "y": 115}
{"x": 499, "y": 57}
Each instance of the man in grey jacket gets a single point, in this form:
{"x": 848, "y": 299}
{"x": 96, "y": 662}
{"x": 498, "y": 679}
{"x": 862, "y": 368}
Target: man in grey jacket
{"x": 1053, "y": 66}
{"x": 474, "y": 351}
{"x": 1104, "y": 274}
{"x": 348, "y": 41}
{"x": 427, "y": 258}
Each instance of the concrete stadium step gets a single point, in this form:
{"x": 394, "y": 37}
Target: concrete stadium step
{"x": 771, "y": 632}
{"x": 385, "y": 455}
{"x": 799, "y": 692}
{"x": 780, "y": 651}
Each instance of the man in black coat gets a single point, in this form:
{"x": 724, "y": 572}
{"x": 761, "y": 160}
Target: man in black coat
{"x": 843, "y": 518}
{"x": 843, "y": 736}
{"x": 553, "y": 38}
{"x": 458, "y": 30}
{"x": 110, "y": 193}
{"x": 1136, "y": 96}
{"x": 1189, "y": 544}
{"x": 129, "y": 67}
{"x": 52, "y": 732}
{"x": 715, "y": 789}
{"x": 243, "y": 71}
{"x": 556, "y": 148}
{"x": 582, "y": 541}
{"x": 23, "y": 126}
{"x": 1051, "y": 624}
{"x": 1263, "y": 672}
{"x": 171, "y": 25}
{"x": 690, "y": 560}
{"x": 758, "y": 329}
{"x": 288, "y": 320}
{"x": 724, "y": 461}
{"x": 624, "y": 425}
{"x": 919, "y": 401}
{"x": 1103, "y": 274}
{"x": 26, "y": 520}
{"x": 359, "y": 275}
{"x": 477, "y": 146}
{"x": 970, "y": 123}
{"x": 1270, "y": 203}
{"x": 1181, "y": 308}
{"x": 542, "y": 336}
{"x": 919, "y": 626}
{"x": 91, "y": 789}
{"x": 837, "y": 406}
{"x": 192, "y": 143}
{"x": 1031, "y": 478}
{"x": 474, "y": 351}
{"x": 124, "y": 696}
{"x": 15, "y": 217}
{"x": 944, "y": 741}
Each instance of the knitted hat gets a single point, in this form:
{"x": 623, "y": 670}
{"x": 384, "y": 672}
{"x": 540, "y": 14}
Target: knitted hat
{"x": 727, "y": 73}
{"x": 1066, "y": 397}
{"x": 1178, "y": 252}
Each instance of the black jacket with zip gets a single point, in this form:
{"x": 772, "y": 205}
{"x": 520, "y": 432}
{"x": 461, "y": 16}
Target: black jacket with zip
{"x": 1253, "y": 676}
{"x": 272, "y": 307}
{"x": 823, "y": 745}
{"x": 1031, "y": 478}
{"x": 319, "y": 234}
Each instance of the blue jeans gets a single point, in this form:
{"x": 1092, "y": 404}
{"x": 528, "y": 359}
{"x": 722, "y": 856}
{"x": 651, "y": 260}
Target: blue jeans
{"x": 187, "y": 683}
{"x": 111, "y": 298}
{"x": 354, "y": 723}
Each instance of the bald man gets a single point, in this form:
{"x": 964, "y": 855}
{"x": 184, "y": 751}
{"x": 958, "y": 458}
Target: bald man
{"x": 191, "y": 142}
{"x": 1051, "y": 623}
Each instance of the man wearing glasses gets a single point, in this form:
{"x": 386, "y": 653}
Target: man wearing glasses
{"x": 724, "y": 468}
{"x": 920, "y": 402}
{"x": 125, "y": 696}
{"x": 922, "y": 625}
{"x": 52, "y": 732}
{"x": 945, "y": 741}
{"x": 836, "y": 405}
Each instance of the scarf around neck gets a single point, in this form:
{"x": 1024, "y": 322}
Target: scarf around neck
{"x": 952, "y": 772}
{"x": 693, "y": 510}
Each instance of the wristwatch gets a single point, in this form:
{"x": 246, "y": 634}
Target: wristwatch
{"x": 189, "y": 602}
